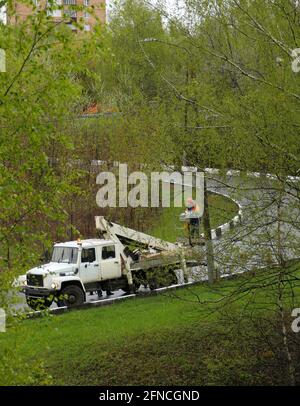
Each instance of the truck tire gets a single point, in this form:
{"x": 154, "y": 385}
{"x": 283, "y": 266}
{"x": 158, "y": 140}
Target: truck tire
{"x": 71, "y": 296}
{"x": 39, "y": 303}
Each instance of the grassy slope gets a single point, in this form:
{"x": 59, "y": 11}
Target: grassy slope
{"x": 157, "y": 340}
{"x": 168, "y": 227}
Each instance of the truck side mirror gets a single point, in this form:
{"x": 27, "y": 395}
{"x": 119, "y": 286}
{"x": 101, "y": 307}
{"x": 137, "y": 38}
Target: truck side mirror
{"x": 45, "y": 257}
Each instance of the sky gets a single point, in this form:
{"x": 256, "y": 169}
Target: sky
{"x": 2, "y": 15}
{"x": 172, "y": 7}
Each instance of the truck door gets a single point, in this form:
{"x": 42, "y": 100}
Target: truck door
{"x": 89, "y": 267}
{"x": 110, "y": 266}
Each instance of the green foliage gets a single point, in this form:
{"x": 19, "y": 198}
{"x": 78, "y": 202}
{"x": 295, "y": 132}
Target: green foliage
{"x": 15, "y": 370}
{"x": 222, "y": 91}
{"x": 39, "y": 96}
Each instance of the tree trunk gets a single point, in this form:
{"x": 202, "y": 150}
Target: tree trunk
{"x": 286, "y": 348}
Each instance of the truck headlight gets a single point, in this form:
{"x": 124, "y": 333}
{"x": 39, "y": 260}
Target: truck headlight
{"x": 54, "y": 285}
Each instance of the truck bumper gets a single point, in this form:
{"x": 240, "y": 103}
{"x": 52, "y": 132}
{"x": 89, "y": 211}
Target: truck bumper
{"x": 37, "y": 292}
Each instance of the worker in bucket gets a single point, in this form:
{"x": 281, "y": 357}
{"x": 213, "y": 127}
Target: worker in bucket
{"x": 193, "y": 210}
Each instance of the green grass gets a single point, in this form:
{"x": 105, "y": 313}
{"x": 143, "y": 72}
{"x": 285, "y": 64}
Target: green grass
{"x": 169, "y": 228}
{"x": 169, "y": 339}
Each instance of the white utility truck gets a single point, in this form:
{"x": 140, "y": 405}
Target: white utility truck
{"x": 121, "y": 259}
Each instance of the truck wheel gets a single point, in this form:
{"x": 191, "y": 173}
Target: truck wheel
{"x": 39, "y": 303}
{"x": 71, "y": 296}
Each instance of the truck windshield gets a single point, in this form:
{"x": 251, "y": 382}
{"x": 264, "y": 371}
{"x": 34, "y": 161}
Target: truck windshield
{"x": 64, "y": 254}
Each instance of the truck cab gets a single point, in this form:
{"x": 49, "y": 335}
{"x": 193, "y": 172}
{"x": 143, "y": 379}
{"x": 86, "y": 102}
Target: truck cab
{"x": 76, "y": 267}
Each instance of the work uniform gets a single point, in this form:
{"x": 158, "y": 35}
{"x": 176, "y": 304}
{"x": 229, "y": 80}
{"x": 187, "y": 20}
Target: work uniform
{"x": 194, "y": 222}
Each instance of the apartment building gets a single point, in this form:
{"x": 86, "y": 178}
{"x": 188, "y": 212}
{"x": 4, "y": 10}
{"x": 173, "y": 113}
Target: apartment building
{"x": 66, "y": 11}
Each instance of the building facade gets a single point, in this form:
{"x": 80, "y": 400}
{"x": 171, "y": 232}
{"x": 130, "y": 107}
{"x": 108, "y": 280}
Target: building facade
{"x": 88, "y": 14}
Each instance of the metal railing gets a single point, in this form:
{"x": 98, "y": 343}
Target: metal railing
{"x": 69, "y": 2}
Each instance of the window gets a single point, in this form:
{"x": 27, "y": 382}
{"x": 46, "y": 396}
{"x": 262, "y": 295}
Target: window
{"x": 64, "y": 254}
{"x": 109, "y": 252}
{"x": 86, "y": 14}
{"x": 52, "y": 11}
{"x": 88, "y": 255}
{"x": 69, "y": 2}
{"x": 72, "y": 27}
